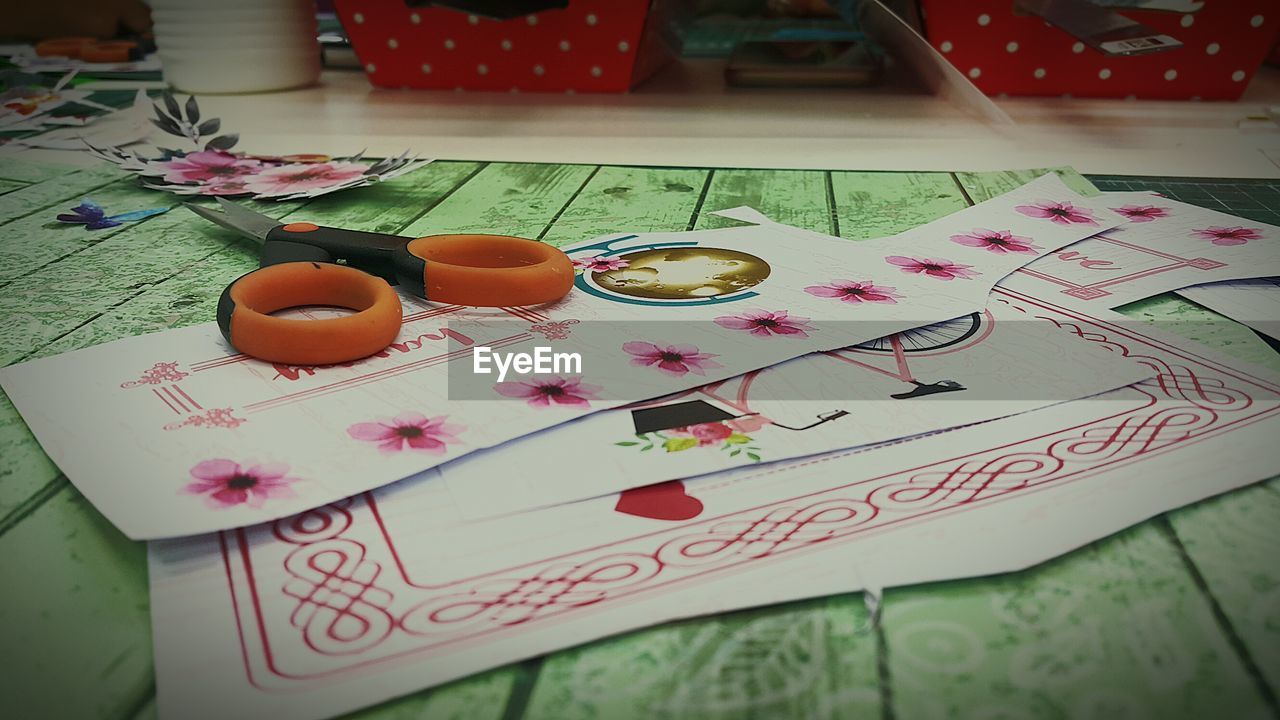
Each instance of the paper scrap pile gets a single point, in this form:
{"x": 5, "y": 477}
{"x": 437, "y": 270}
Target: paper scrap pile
{"x": 763, "y": 413}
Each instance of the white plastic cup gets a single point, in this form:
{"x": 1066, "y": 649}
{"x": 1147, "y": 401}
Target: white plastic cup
{"x": 236, "y": 46}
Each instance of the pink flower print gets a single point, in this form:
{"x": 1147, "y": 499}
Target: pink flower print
{"x": 599, "y": 264}
{"x": 762, "y": 323}
{"x": 1228, "y": 235}
{"x": 297, "y": 177}
{"x": 997, "y": 241}
{"x": 226, "y": 483}
{"x": 712, "y": 433}
{"x": 1142, "y": 213}
{"x": 211, "y": 167}
{"x": 408, "y": 431}
{"x": 556, "y": 390}
{"x": 851, "y": 291}
{"x": 671, "y": 359}
{"x": 941, "y": 269}
{"x": 1062, "y": 213}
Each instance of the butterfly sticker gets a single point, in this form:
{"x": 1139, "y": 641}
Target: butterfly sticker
{"x": 93, "y": 217}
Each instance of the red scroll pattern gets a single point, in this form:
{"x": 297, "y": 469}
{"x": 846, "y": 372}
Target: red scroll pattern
{"x": 345, "y": 605}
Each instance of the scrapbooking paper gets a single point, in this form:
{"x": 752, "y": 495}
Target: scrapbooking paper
{"x": 207, "y": 167}
{"x": 1255, "y": 303}
{"x": 978, "y": 367}
{"x": 175, "y": 434}
{"x": 118, "y": 127}
{"x": 389, "y": 591}
{"x": 1164, "y": 246}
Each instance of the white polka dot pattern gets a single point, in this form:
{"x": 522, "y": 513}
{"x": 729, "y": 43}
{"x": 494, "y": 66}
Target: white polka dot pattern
{"x": 1005, "y": 51}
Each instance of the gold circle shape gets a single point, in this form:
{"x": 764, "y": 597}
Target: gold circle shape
{"x": 684, "y": 273}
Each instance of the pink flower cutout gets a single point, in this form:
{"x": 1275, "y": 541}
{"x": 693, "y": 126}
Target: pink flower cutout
{"x": 671, "y": 359}
{"x": 408, "y": 431}
{"x": 211, "y": 167}
{"x": 1142, "y": 213}
{"x": 226, "y": 483}
{"x": 997, "y": 241}
{"x": 941, "y": 269}
{"x": 762, "y": 323}
{"x": 599, "y": 264}
{"x": 297, "y": 177}
{"x": 712, "y": 433}
{"x": 851, "y": 291}
{"x": 1062, "y": 213}
{"x": 544, "y": 392}
{"x": 1228, "y": 235}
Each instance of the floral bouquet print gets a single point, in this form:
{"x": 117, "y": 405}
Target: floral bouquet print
{"x": 210, "y": 168}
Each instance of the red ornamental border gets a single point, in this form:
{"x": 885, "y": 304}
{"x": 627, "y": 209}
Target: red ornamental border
{"x": 350, "y": 593}
{"x": 1095, "y": 290}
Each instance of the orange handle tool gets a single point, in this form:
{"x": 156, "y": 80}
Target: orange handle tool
{"x": 306, "y": 264}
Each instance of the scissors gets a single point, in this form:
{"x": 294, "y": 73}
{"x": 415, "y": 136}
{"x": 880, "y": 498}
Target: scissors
{"x": 307, "y": 264}
{"x": 95, "y": 51}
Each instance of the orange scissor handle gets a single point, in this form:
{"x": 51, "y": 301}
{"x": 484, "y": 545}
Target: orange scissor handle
{"x": 244, "y": 314}
{"x": 70, "y": 47}
{"x": 483, "y": 270}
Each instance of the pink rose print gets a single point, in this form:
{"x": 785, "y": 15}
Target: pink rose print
{"x": 226, "y": 483}
{"x": 707, "y": 433}
{"x": 599, "y": 264}
{"x": 408, "y": 431}
{"x": 296, "y": 177}
{"x": 1062, "y": 213}
{"x": 671, "y": 359}
{"x": 762, "y": 323}
{"x": 212, "y": 167}
{"x": 941, "y": 269}
{"x": 542, "y": 393}
{"x": 1142, "y": 213}
{"x": 851, "y": 291}
{"x": 997, "y": 241}
{"x": 1228, "y": 235}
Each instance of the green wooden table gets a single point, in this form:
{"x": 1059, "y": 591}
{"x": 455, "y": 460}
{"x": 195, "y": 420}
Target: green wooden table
{"x": 1179, "y": 616}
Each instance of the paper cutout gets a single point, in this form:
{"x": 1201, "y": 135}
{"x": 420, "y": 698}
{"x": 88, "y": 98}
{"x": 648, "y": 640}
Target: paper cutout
{"x": 93, "y": 217}
{"x": 387, "y": 592}
{"x": 210, "y": 169}
{"x": 1255, "y": 303}
{"x": 1165, "y": 245}
{"x": 989, "y": 365}
{"x": 95, "y": 430}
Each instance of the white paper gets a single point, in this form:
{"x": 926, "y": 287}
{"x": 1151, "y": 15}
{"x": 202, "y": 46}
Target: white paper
{"x": 389, "y": 592}
{"x": 979, "y": 367}
{"x": 174, "y": 434}
{"x": 1255, "y": 303}
{"x": 1166, "y": 245}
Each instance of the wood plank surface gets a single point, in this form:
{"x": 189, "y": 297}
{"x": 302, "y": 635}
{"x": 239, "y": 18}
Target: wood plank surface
{"x": 1176, "y": 616}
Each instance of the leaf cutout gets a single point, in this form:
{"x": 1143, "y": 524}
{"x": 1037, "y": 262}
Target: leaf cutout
{"x": 171, "y": 104}
{"x": 222, "y": 142}
{"x": 193, "y": 111}
{"x": 167, "y": 125}
{"x": 209, "y": 127}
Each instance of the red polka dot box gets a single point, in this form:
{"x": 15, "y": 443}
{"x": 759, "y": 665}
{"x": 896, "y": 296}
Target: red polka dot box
{"x": 586, "y": 46}
{"x": 1006, "y": 51}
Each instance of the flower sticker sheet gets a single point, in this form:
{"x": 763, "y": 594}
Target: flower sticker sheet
{"x": 390, "y": 591}
{"x": 990, "y": 364}
{"x": 1164, "y": 245}
{"x": 175, "y": 434}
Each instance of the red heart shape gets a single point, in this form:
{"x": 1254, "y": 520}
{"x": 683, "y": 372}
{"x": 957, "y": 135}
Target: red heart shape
{"x": 664, "y": 501}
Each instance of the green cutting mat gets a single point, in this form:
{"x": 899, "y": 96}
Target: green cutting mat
{"x": 1253, "y": 199}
